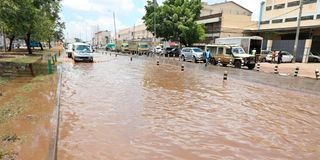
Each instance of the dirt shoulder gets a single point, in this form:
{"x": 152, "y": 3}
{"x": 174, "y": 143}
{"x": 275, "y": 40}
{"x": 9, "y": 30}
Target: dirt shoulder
{"x": 27, "y": 101}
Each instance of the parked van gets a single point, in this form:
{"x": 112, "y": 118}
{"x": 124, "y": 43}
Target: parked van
{"x": 231, "y": 53}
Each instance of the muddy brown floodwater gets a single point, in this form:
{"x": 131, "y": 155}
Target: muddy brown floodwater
{"x": 115, "y": 109}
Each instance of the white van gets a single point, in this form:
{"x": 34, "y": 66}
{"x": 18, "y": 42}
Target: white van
{"x": 82, "y": 52}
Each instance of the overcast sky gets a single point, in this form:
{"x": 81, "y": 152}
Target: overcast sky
{"x": 83, "y": 17}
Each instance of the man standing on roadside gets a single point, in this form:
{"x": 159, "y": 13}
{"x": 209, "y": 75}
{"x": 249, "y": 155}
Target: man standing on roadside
{"x": 279, "y": 57}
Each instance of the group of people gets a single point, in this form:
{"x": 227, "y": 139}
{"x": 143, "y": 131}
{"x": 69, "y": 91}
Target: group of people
{"x": 274, "y": 55}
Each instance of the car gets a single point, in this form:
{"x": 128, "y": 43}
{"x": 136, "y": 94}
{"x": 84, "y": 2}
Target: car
{"x": 233, "y": 54}
{"x": 263, "y": 55}
{"x": 69, "y": 50}
{"x": 157, "y": 50}
{"x": 166, "y": 51}
{"x": 82, "y": 52}
{"x": 110, "y": 47}
{"x": 192, "y": 54}
{"x": 286, "y": 57}
{"x": 313, "y": 58}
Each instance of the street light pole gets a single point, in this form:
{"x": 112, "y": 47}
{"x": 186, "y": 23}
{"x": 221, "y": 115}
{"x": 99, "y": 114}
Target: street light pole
{"x": 298, "y": 32}
{"x": 4, "y": 41}
{"x": 115, "y": 29}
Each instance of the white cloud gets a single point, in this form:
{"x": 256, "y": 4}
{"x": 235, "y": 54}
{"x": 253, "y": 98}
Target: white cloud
{"x": 101, "y": 6}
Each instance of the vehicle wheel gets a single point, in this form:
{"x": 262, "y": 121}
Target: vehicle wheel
{"x": 237, "y": 64}
{"x": 224, "y": 65}
{"x": 251, "y": 66}
{"x": 195, "y": 60}
{"x": 183, "y": 58}
{"x": 69, "y": 55}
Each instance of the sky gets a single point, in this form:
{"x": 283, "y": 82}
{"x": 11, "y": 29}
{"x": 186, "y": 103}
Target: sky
{"x": 84, "y": 17}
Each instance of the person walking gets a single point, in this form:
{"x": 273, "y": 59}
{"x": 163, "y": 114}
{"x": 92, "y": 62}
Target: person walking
{"x": 273, "y": 58}
{"x": 207, "y": 57}
{"x": 279, "y": 57}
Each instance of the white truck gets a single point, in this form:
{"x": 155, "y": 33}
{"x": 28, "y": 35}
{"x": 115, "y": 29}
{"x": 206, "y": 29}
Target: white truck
{"x": 247, "y": 43}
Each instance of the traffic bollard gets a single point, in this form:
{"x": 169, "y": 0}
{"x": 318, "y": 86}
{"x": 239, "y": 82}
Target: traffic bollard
{"x": 317, "y": 74}
{"x": 182, "y": 67}
{"x": 258, "y": 67}
{"x": 158, "y": 63}
{"x": 296, "y": 72}
{"x": 49, "y": 66}
{"x": 130, "y": 58}
{"x": 230, "y": 62}
{"x": 225, "y": 75}
{"x": 276, "y": 69}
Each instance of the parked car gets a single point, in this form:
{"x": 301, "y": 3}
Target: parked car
{"x": 314, "y": 58}
{"x": 82, "y": 52}
{"x": 231, "y": 54}
{"x": 69, "y": 50}
{"x": 262, "y": 57}
{"x": 192, "y": 54}
{"x": 157, "y": 50}
{"x": 110, "y": 47}
{"x": 286, "y": 57}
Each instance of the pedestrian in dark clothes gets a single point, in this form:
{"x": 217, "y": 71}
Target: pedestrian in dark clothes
{"x": 279, "y": 57}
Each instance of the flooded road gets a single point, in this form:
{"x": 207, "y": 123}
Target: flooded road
{"x": 116, "y": 109}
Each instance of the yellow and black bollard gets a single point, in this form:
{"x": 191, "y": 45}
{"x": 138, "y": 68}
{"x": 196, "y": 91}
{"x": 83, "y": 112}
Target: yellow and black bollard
{"x": 276, "y": 69}
{"x": 296, "y": 72}
{"x": 317, "y": 74}
{"x": 225, "y": 75}
{"x": 158, "y": 63}
{"x": 182, "y": 67}
{"x": 258, "y": 67}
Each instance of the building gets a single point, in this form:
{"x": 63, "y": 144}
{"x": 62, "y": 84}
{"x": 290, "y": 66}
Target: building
{"x": 102, "y": 38}
{"x": 278, "y": 23}
{"x": 227, "y": 19}
{"x": 137, "y": 32}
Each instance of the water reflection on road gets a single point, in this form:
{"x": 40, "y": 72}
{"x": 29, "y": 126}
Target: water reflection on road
{"x": 118, "y": 109}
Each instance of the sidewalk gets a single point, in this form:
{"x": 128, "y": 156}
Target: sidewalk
{"x": 306, "y": 69}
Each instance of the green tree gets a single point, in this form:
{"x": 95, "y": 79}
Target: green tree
{"x": 175, "y": 20}
{"x": 30, "y": 17}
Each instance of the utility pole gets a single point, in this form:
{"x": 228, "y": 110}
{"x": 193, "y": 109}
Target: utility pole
{"x": 155, "y": 5}
{"x": 115, "y": 29}
{"x": 298, "y": 32}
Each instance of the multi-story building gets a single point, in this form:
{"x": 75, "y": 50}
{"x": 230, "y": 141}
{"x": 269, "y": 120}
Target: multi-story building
{"x": 226, "y": 19}
{"x": 102, "y": 38}
{"x": 278, "y": 22}
{"x": 137, "y": 32}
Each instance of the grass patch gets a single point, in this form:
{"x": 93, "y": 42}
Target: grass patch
{"x": 12, "y": 108}
{"x": 22, "y": 59}
{"x": 26, "y": 88}
{"x": 3, "y": 81}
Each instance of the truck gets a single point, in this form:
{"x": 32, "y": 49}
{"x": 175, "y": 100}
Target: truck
{"x": 138, "y": 47}
{"x": 247, "y": 43}
{"x": 122, "y": 46}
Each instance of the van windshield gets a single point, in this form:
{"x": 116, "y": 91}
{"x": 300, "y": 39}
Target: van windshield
{"x": 238, "y": 51}
{"x": 83, "y": 48}
{"x": 197, "y": 50}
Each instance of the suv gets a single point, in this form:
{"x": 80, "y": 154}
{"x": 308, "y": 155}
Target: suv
{"x": 233, "y": 54}
{"x": 194, "y": 54}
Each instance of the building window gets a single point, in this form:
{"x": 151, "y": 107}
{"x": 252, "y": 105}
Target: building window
{"x": 268, "y": 8}
{"x": 277, "y": 21}
{"x": 291, "y": 19}
{"x": 294, "y": 3}
{"x": 279, "y": 6}
{"x": 304, "y": 18}
{"x": 265, "y": 22}
{"x": 309, "y": 1}
{"x": 318, "y": 16}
